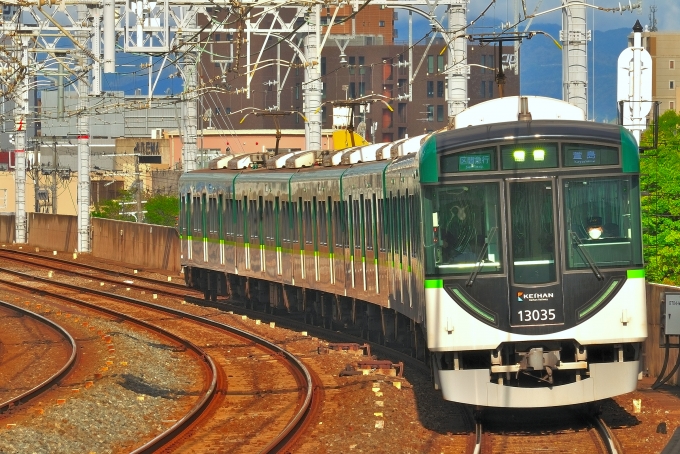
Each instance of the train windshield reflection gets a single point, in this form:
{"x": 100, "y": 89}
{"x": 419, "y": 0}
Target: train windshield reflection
{"x": 601, "y": 214}
{"x": 460, "y": 222}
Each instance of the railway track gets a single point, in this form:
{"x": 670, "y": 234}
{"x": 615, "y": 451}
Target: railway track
{"x": 58, "y": 345}
{"x": 302, "y": 382}
{"x": 591, "y": 436}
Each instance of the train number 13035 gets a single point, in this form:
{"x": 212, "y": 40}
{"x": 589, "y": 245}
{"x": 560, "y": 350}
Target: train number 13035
{"x": 537, "y": 315}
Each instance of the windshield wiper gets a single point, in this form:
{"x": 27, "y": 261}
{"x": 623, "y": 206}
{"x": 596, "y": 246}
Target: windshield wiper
{"x": 480, "y": 261}
{"x": 586, "y": 256}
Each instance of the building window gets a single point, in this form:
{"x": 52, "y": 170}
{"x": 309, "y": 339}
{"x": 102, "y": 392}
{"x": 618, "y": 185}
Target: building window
{"x": 323, "y": 66}
{"x": 401, "y": 112}
{"x": 350, "y": 64}
{"x": 381, "y": 23}
{"x": 297, "y": 91}
{"x": 430, "y": 112}
{"x": 672, "y": 105}
{"x": 430, "y": 89}
{"x": 440, "y": 63}
{"x": 490, "y": 88}
{"x": 671, "y": 64}
{"x": 671, "y": 84}
{"x": 401, "y": 133}
{"x": 362, "y": 88}
{"x": 351, "y": 94}
{"x": 440, "y": 89}
{"x": 362, "y": 68}
{"x": 430, "y": 64}
{"x": 227, "y": 110}
{"x": 440, "y": 113}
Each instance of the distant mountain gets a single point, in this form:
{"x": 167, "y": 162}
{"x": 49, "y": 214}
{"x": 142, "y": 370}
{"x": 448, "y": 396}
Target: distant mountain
{"x": 541, "y": 68}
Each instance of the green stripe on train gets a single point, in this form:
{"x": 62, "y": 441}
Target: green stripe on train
{"x": 434, "y": 283}
{"x": 632, "y": 274}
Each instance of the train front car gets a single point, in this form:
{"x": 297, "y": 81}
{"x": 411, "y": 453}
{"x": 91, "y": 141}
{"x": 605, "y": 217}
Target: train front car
{"x": 534, "y": 280}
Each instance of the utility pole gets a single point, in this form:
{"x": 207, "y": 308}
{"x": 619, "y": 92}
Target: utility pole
{"x": 138, "y": 184}
{"x": 575, "y": 36}
{"x": 54, "y": 175}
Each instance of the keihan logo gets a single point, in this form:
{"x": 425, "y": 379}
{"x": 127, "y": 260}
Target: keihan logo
{"x": 519, "y": 296}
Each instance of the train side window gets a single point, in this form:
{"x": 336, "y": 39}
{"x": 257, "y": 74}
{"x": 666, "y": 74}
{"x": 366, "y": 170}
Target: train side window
{"x": 414, "y": 219}
{"x": 196, "y": 216}
{"x": 269, "y": 233}
{"x": 323, "y": 224}
{"x": 337, "y": 223}
{"x": 243, "y": 219}
{"x": 285, "y": 222}
{"x": 350, "y": 225}
{"x": 381, "y": 224}
{"x": 307, "y": 216}
{"x": 220, "y": 216}
{"x": 184, "y": 212}
{"x": 228, "y": 220}
{"x": 329, "y": 224}
{"x": 368, "y": 223}
{"x": 276, "y": 218}
{"x": 213, "y": 215}
{"x": 294, "y": 222}
{"x": 356, "y": 218}
{"x": 362, "y": 224}
{"x": 299, "y": 216}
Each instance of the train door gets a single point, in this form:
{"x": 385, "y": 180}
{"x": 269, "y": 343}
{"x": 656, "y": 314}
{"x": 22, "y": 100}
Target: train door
{"x": 393, "y": 248}
{"x": 535, "y": 291}
{"x": 255, "y": 230}
{"x": 382, "y": 281}
{"x": 309, "y": 227}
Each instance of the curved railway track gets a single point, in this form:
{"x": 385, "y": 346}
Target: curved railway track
{"x": 37, "y": 334}
{"x": 190, "y": 424}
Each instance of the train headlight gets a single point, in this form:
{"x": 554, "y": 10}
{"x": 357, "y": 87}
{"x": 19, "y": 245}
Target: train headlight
{"x": 519, "y": 155}
{"x": 539, "y": 155}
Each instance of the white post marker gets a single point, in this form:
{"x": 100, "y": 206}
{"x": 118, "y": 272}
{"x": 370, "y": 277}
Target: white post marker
{"x": 634, "y": 84}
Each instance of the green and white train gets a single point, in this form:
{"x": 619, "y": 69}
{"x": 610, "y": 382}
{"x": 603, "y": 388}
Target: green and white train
{"x": 506, "y": 251}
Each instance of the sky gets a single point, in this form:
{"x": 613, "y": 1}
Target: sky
{"x": 667, "y": 14}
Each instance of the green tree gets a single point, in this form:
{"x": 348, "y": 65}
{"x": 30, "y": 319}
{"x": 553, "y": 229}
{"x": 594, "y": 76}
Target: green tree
{"x": 660, "y": 188}
{"x": 114, "y": 208}
{"x": 162, "y": 210}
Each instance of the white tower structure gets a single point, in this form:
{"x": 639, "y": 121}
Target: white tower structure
{"x": 634, "y": 84}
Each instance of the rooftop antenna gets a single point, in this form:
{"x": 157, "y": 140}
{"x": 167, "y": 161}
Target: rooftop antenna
{"x": 652, "y": 19}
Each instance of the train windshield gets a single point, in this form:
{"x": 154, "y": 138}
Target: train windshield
{"x": 462, "y": 225}
{"x": 602, "y": 222}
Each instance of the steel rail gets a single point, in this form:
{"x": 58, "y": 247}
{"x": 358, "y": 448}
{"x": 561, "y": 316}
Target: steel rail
{"x": 278, "y": 442}
{"x": 49, "y": 382}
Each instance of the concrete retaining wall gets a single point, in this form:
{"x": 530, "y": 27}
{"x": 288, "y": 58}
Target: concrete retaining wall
{"x": 142, "y": 245}
{"x": 58, "y": 232}
{"x": 7, "y": 233}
